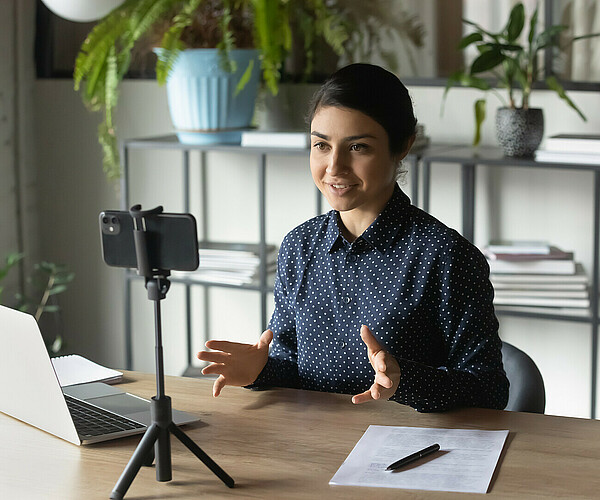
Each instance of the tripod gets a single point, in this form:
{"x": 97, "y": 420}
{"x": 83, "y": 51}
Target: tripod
{"x": 156, "y": 440}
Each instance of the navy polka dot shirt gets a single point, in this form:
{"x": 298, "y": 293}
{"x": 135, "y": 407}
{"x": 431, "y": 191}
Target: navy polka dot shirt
{"x": 421, "y": 288}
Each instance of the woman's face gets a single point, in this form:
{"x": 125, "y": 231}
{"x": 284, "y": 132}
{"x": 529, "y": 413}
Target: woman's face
{"x": 350, "y": 160}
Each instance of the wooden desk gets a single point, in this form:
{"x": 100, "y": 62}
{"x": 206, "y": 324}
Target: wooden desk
{"x": 287, "y": 444}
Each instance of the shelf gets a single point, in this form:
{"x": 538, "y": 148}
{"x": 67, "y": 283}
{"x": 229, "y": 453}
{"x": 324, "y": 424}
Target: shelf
{"x": 493, "y": 156}
{"x": 549, "y": 313}
{"x": 255, "y": 285}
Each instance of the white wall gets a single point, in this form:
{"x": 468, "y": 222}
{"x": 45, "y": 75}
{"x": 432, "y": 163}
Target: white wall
{"x": 18, "y": 200}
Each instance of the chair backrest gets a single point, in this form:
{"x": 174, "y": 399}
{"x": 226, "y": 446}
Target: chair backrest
{"x": 527, "y": 392}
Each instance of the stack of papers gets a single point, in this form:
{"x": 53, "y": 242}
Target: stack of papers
{"x": 465, "y": 462}
{"x": 538, "y": 274}
{"x": 571, "y": 148}
{"x": 230, "y": 263}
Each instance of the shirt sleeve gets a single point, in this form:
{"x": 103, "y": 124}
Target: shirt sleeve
{"x": 473, "y": 374}
{"x": 282, "y": 364}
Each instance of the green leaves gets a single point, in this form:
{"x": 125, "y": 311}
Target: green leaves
{"x": 553, "y": 84}
{"x": 487, "y": 60}
{"x": 514, "y": 63}
{"x": 11, "y": 261}
{"x": 45, "y": 282}
{"x": 479, "y": 118}
{"x": 516, "y": 22}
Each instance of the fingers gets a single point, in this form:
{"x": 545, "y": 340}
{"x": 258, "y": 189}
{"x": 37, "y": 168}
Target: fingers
{"x": 374, "y": 393}
{"x": 265, "y": 339}
{"x": 218, "y": 368}
{"x": 218, "y": 386}
{"x": 213, "y": 356}
{"x": 363, "y": 397}
{"x": 370, "y": 340}
{"x": 225, "y": 345}
{"x": 383, "y": 380}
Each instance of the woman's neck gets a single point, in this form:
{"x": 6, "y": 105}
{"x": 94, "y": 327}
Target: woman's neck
{"x": 354, "y": 222}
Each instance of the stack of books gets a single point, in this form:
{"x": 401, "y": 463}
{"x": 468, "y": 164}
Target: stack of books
{"x": 536, "y": 274}
{"x": 231, "y": 263}
{"x": 571, "y": 148}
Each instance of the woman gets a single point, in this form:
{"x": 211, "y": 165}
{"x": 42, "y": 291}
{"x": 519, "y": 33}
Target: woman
{"x": 375, "y": 298}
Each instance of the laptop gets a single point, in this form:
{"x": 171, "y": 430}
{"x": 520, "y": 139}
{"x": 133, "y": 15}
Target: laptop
{"x": 81, "y": 414}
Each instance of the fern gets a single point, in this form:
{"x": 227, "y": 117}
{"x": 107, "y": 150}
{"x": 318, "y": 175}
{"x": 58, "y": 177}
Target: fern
{"x": 105, "y": 55}
{"x": 170, "y": 45}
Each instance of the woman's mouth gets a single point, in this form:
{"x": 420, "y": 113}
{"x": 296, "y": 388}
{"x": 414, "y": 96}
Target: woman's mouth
{"x": 340, "y": 189}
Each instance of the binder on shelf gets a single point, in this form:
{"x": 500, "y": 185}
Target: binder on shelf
{"x": 557, "y": 294}
{"x": 529, "y": 247}
{"x": 273, "y": 139}
{"x": 544, "y": 155}
{"x": 578, "y": 278}
{"x": 574, "y": 143}
{"x": 540, "y": 266}
{"x": 529, "y": 258}
{"x": 542, "y": 302}
{"x": 554, "y": 253}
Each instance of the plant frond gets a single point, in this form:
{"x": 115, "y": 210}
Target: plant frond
{"x": 170, "y": 44}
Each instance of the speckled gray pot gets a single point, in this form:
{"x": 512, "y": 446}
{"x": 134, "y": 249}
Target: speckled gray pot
{"x": 519, "y": 131}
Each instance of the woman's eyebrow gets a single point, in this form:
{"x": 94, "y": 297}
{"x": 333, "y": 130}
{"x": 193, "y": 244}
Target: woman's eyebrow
{"x": 346, "y": 139}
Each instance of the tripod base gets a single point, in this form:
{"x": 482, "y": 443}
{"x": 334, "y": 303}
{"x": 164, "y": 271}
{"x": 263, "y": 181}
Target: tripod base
{"x": 158, "y": 436}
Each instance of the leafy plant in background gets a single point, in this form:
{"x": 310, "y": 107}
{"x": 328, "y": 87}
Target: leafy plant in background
{"x": 514, "y": 64}
{"x": 106, "y": 53}
{"x": 357, "y": 35}
{"x": 46, "y": 282}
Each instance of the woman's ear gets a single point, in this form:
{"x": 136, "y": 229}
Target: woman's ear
{"x": 400, "y": 156}
{"x": 409, "y": 144}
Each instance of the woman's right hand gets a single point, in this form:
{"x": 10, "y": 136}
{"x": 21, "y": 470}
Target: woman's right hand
{"x": 235, "y": 363}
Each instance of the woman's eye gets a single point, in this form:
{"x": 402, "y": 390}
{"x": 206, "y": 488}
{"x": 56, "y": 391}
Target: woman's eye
{"x": 358, "y": 147}
{"x": 319, "y": 145}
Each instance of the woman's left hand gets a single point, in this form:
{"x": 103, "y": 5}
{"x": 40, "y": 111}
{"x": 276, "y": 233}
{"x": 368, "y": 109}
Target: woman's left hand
{"x": 387, "y": 370}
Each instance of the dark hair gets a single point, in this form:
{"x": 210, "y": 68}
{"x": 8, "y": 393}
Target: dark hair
{"x": 375, "y": 92}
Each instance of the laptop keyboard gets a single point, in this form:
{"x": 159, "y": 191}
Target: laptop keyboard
{"x": 93, "y": 421}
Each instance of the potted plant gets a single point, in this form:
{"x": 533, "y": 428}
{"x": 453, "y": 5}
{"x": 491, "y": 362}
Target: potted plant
{"x": 359, "y": 35}
{"x": 221, "y": 26}
{"x": 519, "y": 127}
{"x": 46, "y": 281}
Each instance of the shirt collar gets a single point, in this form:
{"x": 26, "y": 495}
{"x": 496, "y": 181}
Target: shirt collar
{"x": 381, "y": 233}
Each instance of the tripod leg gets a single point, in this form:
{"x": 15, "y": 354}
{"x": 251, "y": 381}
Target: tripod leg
{"x": 135, "y": 462}
{"x": 162, "y": 450}
{"x": 196, "y": 450}
{"x": 150, "y": 458}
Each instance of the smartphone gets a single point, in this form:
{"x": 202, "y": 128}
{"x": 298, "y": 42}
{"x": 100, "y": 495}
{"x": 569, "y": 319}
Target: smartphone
{"x": 172, "y": 240}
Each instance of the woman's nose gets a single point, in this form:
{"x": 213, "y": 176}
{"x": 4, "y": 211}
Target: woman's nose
{"x": 336, "y": 163}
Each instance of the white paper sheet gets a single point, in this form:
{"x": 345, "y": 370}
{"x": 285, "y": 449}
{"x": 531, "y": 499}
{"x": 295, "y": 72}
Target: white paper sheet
{"x": 74, "y": 369}
{"x": 465, "y": 462}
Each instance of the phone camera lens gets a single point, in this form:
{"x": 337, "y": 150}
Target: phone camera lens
{"x": 114, "y": 220}
{"x": 104, "y": 220}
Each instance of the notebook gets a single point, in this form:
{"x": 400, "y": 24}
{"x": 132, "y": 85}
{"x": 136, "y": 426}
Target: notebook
{"x": 75, "y": 369}
{"x": 81, "y": 414}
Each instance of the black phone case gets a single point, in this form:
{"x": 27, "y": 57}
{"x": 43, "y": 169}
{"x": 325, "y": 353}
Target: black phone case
{"x": 172, "y": 240}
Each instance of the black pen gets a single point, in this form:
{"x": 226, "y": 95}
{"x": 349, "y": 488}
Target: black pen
{"x": 415, "y": 456}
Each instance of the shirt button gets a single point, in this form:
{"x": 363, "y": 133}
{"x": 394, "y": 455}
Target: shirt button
{"x": 342, "y": 344}
{"x": 353, "y": 258}
{"x": 347, "y": 300}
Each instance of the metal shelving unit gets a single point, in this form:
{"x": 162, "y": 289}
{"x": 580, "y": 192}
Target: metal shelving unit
{"x": 469, "y": 159}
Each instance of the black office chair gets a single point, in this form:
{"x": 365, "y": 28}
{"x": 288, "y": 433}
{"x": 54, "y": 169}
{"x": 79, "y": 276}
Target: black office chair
{"x": 527, "y": 392}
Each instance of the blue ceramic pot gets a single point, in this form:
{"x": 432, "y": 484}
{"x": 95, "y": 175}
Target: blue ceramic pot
{"x": 204, "y": 106}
